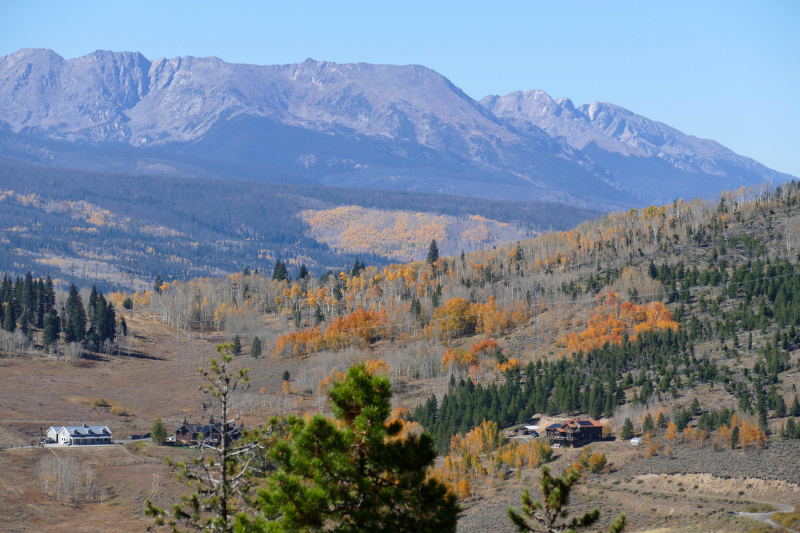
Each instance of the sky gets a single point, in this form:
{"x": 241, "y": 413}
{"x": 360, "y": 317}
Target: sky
{"x": 728, "y": 71}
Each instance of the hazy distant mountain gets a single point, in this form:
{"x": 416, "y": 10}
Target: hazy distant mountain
{"x": 359, "y": 125}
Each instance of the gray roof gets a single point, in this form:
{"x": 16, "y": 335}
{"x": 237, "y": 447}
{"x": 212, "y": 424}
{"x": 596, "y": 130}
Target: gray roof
{"x": 85, "y": 431}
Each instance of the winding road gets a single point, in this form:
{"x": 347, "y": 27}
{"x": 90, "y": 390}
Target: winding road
{"x": 766, "y": 518}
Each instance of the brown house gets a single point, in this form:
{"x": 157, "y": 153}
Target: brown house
{"x": 574, "y": 432}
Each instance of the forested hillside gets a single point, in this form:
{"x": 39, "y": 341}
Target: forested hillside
{"x": 118, "y": 230}
{"x": 670, "y": 304}
{"x": 677, "y": 321}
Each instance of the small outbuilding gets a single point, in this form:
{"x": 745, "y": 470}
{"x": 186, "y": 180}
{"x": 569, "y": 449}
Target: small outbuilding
{"x": 79, "y": 435}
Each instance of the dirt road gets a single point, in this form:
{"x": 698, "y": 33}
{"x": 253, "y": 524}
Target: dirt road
{"x": 766, "y": 518}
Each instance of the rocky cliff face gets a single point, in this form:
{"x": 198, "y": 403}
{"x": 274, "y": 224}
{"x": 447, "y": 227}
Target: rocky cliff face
{"x": 616, "y": 130}
{"x": 596, "y": 151}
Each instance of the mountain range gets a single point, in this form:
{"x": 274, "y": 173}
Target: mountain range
{"x": 355, "y": 125}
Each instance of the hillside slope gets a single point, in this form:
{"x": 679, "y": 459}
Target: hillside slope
{"x": 678, "y": 323}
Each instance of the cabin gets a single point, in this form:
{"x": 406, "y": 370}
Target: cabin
{"x": 572, "y": 433}
{"x": 207, "y": 434}
{"x": 79, "y": 435}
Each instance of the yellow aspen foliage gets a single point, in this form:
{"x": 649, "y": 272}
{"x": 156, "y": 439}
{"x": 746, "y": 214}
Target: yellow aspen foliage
{"x": 725, "y": 434}
{"x": 454, "y": 319}
{"x": 672, "y": 432}
{"x": 377, "y": 367}
{"x": 597, "y": 462}
{"x": 463, "y": 490}
{"x": 751, "y": 435}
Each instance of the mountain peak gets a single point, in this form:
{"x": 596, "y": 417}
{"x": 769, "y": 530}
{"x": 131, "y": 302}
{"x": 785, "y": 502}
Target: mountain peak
{"x": 535, "y": 142}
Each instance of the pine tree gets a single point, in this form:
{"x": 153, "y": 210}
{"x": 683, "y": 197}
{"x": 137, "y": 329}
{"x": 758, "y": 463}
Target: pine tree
{"x": 158, "y": 283}
{"x": 75, "y": 329}
{"x": 696, "y": 409}
{"x": 303, "y": 272}
{"x": 41, "y": 305}
{"x": 780, "y": 407}
{"x": 255, "y": 348}
{"x": 627, "y": 429}
{"x": 433, "y": 252}
{"x": 790, "y": 428}
{"x": 52, "y": 328}
{"x": 795, "y": 409}
{"x": 280, "y": 273}
{"x": 10, "y": 318}
{"x": 30, "y": 300}
{"x": 437, "y": 294}
{"x": 662, "y": 420}
{"x": 237, "y": 345}
{"x": 91, "y": 309}
{"x": 330, "y": 474}
{"x": 735, "y": 437}
{"x": 647, "y": 425}
{"x": 552, "y": 509}
{"x": 49, "y": 294}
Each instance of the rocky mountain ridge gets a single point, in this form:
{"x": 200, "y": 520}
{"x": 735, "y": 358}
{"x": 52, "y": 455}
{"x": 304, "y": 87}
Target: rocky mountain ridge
{"x": 409, "y": 125}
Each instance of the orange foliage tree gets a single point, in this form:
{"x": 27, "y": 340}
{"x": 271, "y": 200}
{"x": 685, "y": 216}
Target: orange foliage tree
{"x": 359, "y": 328}
{"x": 613, "y": 319}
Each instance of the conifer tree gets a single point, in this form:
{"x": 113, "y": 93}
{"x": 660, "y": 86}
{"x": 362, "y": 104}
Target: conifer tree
{"x": 303, "y": 272}
{"x": 795, "y": 409}
{"x": 627, "y": 429}
{"x": 355, "y": 473}
{"x": 41, "y": 304}
{"x": 91, "y": 309}
{"x": 158, "y": 283}
{"x": 10, "y": 318}
{"x": 647, "y": 425}
{"x": 546, "y": 514}
{"x": 280, "y": 273}
{"x": 255, "y": 348}
{"x": 52, "y": 328}
{"x": 791, "y": 428}
{"x": 236, "y": 345}
{"x": 30, "y": 300}
{"x": 49, "y": 294}
{"x": 433, "y": 252}
{"x": 75, "y": 329}
{"x": 735, "y": 437}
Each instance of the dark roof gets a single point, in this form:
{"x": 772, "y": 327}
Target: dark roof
{"x": 554, "y": 426}
{"x": 585, "y": 422}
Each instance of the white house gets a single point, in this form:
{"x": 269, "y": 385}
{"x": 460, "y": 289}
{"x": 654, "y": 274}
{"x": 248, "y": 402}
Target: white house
{"x": 79, "y": 435}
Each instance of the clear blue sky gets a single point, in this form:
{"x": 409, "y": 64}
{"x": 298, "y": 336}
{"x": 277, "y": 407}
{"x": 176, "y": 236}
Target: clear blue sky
{"x": 728, "y": 70}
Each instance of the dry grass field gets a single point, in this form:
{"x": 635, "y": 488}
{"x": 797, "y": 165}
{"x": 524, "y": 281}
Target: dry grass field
{"x": 696, "y": 490}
